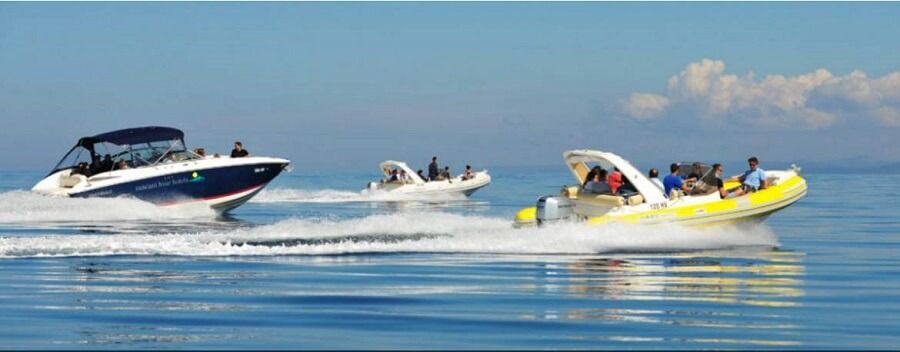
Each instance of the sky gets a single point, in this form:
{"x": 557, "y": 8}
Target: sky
{"x": 341, "y": 86}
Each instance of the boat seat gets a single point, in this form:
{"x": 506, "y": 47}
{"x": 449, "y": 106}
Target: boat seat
{"x": 635, "y": 199}
{"x": 675, "y": 194}
{"x": 604, "y": 199}
{"x": 71, "y": 180}
{"x": 772, "y": 180}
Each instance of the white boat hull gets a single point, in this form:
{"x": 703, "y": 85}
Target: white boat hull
{"x": 453, "y": 186}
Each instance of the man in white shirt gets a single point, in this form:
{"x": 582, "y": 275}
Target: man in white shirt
{"x": 654, "y": 177}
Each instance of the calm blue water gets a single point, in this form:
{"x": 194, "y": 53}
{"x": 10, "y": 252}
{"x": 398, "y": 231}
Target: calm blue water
{"x": 310, "y": 263}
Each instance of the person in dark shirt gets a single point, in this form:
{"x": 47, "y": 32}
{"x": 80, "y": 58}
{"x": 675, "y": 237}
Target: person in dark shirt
{"x": 107, "y": 163}
{"x": 719, "y": 184}
{"x": 445, "y": 175}
{"x": 695, "y": 175}
{"x": 433, "y": 172}
{"x": 394, "y": 176}
{"x": 96, "y": 166}
{"x": 239, "y": 151}
{"x": 422, "y": 176}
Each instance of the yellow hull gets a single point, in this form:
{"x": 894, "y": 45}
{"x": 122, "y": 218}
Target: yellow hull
{"x": 753, "y": 207}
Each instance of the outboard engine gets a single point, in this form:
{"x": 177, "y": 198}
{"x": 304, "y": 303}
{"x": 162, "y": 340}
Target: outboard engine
{"x": 553, "y": 208}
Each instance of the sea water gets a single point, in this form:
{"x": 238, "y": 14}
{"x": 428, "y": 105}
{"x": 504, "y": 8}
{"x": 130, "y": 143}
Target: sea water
{"x": 312, "y": 262}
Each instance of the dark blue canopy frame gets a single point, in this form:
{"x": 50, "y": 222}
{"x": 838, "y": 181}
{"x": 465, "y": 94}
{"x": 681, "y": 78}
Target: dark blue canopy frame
{"x": 130, "y": 136}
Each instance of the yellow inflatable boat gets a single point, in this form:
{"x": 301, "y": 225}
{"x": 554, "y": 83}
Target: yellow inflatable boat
{"x": 642, "y": 201}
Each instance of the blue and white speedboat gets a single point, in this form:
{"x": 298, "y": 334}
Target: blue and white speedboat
{"x": 153, "y": 164}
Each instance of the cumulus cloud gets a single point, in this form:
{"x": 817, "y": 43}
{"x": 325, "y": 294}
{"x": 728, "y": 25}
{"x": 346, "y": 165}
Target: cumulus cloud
{"x": 644, "y": 105}
{"x": 816, "y": 99}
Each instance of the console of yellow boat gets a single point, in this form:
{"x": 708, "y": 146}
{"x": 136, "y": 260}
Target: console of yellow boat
{"x": 643, "y": 202}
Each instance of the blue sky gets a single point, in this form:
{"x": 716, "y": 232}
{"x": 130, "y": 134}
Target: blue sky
{"x": 345, "y": 85}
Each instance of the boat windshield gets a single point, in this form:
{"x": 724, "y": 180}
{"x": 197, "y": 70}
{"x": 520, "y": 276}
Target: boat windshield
{"x": 104, "y": 156}
{"x": 686, "y": 168}
{"x": 626, "y": 189}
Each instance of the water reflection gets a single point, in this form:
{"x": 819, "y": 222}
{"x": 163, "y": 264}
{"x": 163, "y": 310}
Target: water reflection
{"x": 713, "y": 291}
{"x": 773, "y": 280}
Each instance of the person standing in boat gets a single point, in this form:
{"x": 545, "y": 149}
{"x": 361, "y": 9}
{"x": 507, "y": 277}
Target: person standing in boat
{"x": 433, "y": 170}
{"x": 239, "y": 151}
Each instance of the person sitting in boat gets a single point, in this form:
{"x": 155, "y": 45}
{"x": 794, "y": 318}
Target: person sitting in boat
{"x": 96, "y": 166}
{"x": 468, "y": 175}
{"x": 404, "y": 177}
{"x": 122, "y": 165}
{"x": 421, "y": 176}
{"x": 720, "y": 185}
{"x": 696, "y": 173}
{"x": 107, "y": 163}
{"x": 433, "y": 171}
{"x": 590, "y": 175}
{"x": 82, "y": 169}
{"x": 239, "y": 151}
{"x": 674, "y": 181}
{"x": 752, "y": 180}
{"x": 394, "y": 176}
{"x": 614, "y": 179}
{"x": 445, "y": 175}
{"x": 654, "y": 177}
{"x": 597, "y": 184}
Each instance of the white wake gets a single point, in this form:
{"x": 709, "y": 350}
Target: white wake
{"x": 425, "y": 232}
{"x": 30, "y": 207}
{"x": 292, "y": 195}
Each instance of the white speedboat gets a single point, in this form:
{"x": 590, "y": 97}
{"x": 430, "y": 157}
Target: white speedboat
{"x": 153, "y": 164}
{"x": 642, "y": 201}
{"x": 412, "y": 183}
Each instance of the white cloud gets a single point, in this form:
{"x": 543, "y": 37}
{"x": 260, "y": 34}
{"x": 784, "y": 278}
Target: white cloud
{"x": 816, "y": 99}
{"x": 889, "y": 116}
{"x": 646, "y": 106}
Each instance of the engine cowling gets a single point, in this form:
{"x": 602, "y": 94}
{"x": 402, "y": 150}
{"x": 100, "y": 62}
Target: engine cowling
{"x": 553, "y": 208}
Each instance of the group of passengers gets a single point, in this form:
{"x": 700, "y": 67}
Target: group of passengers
{"x": 751, "y": 180}
{"x": 435, "y": 173}
{"x": 99, "y": 165}
{"x": 601, "y": 181}
{"x": 237, "y": 152}
{"x": 96, "y": 166}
